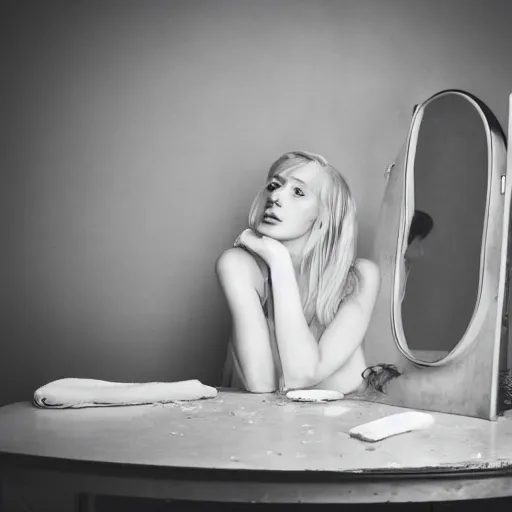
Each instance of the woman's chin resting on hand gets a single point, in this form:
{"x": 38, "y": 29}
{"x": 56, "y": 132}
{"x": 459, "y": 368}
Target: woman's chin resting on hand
{"x": 300, "y": 302}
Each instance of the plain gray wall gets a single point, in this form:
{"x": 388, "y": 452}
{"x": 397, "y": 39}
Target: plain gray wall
{"x": 136, "y": 134}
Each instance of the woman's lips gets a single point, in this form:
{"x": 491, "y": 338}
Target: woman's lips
{"x": 270, "y": 217}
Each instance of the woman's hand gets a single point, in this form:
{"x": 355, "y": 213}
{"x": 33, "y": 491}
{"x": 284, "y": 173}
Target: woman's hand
{"x": 271, "y": 250}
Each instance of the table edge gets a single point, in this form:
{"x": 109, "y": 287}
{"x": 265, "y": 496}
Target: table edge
{"x": 256, "y": 486}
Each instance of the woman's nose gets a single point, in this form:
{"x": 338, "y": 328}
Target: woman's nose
{"x": 275, "y": 198}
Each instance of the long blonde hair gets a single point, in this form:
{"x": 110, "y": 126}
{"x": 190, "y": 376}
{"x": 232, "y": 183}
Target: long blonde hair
{"x": 329, "y": 254}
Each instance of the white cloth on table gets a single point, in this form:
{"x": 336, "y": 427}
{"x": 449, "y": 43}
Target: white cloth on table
{"x": 76, "y": 393}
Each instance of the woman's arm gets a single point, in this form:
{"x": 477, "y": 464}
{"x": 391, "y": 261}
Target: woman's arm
{"x": 238, "y": 272}
{"x": 306, "y": 362}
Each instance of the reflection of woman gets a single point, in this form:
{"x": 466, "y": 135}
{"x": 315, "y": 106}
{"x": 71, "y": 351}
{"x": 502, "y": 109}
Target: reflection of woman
{"x": 421, "y": 226}
{"x": 300, "y": 302}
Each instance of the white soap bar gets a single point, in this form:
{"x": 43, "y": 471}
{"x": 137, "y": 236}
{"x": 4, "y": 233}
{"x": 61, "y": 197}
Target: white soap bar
{"x": 314, "y": 395}
{"x": 392, "y": 425}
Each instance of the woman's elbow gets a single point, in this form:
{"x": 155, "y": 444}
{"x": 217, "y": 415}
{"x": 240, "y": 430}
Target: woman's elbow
{"x": 302, "y": 381}
{"x": 259, "y": 384}
{"x": 261, "y": 388}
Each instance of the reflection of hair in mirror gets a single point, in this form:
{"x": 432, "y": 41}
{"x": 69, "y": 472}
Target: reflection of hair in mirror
{"x": 421, "y": 225}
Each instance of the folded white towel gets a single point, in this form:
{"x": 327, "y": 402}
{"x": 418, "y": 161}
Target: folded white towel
{"x": 77, "y": 393}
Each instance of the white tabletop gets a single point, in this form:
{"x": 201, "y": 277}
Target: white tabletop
{"x": 239, "y": 430}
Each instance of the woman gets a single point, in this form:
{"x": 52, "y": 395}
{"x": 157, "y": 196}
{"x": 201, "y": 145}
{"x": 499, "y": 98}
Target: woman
{"x": 300, "y": 302}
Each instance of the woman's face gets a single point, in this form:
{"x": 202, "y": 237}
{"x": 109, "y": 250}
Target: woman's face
{"x": 291, "y": 204}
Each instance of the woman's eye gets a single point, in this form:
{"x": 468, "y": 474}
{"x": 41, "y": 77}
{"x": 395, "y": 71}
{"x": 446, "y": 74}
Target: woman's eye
{"x": 272, "y": 186}
{"x": 298, "y": 191}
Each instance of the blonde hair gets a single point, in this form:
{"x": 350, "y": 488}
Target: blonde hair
{"x": 329, "y": 254}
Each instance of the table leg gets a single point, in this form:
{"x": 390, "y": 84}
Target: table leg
{"x": 86, "y": 503}
{"x": 24, "y": 498}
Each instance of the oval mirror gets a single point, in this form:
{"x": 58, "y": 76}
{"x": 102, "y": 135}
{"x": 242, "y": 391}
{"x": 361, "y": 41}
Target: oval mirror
{"x": 438, "y": 334}
{"x": 438, "y": 276}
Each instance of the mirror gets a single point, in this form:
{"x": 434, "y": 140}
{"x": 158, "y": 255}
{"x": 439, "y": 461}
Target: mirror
{"x": 439, "y": 323}
{"x": 445, "y": 198}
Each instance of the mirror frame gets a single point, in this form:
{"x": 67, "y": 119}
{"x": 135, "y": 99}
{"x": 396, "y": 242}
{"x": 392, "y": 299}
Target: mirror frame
{"x": 466, "y": 382}
{"x": 489, "y": 125}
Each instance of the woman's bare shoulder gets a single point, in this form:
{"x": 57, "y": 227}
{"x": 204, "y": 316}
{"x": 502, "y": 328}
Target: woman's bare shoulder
{"x": 238, "y": 262}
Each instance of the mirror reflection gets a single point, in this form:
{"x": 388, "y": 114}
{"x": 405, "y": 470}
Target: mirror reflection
{"x": 446, "y": 205}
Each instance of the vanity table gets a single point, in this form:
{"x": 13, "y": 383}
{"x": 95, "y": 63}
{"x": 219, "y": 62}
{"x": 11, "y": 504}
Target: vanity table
{"x": 245, "y": 448}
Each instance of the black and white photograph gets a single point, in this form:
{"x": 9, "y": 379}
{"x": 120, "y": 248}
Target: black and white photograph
{"x": 257, "y": 255}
